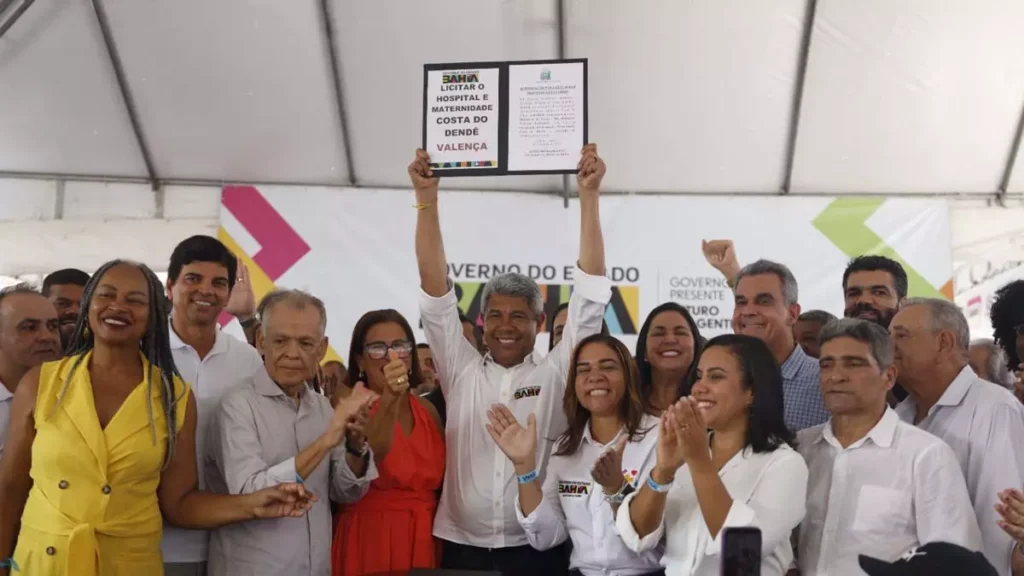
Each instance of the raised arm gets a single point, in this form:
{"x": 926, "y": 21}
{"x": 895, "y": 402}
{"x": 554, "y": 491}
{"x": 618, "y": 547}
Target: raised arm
{"x": 721, "y": 255}
{"x": 16, "y": 463}
{"x": 184, "y": 506}
{"x": 591, "y": 171}
{"x": 429, "y": 246}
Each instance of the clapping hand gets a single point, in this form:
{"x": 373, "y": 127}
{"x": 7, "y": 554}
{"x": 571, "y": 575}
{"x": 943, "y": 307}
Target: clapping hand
{"x": 607, "y": 470}
{"x": 242, "y": 302}
{"x": 691, "y": 432}
{"x": 1011, "y": 512}
{"x": 519, "y": 444}
{"x": 346, "y": 410}
{"x": 284, "y": 500}
{"x": 591, "y": 169}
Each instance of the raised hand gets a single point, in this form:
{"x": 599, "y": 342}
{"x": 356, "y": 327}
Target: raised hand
{"x": 346, "y": 409}
{"x": 669, "y": 451}
{"x": 519, "y": 444}
{"x": 355, "y": 430}
{"x": 721, "y": 255}
{"x": 422, "y": 177}
{"x": 691, "y": 432}
{"x": 591, "y": 170}
{"x": 607, "y": 470}
{"x": 290, "y": 499}
{"x": 242, "y": 302}
{"x": 396, "y": 376}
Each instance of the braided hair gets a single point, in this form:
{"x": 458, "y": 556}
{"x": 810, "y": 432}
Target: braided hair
{"x": 155, "y": 346}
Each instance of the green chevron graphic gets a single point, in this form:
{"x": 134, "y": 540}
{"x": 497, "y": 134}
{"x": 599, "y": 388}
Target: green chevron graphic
{"x": 844, "y": 222}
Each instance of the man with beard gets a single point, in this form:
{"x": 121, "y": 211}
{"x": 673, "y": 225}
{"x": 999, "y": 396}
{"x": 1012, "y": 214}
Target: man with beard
{"x": 64, "y": 289}
{"x": 28, "y": 337}
{"x": 203, "y": 279}
{"x": 873, "y": 289}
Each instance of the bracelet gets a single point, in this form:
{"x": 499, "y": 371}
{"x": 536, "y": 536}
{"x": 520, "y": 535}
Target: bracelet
{"x": 10, "y": 563}
{"x": 528, "y": 477}
{"x": 299, "y": 478}
{"x": 422, "y": 205}
{"x": 659, "y": 488}
{"x": 248, "y": 322}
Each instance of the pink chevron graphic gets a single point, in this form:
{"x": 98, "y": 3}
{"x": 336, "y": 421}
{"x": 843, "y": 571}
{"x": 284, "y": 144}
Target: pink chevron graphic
{"x": 280, "y": 245}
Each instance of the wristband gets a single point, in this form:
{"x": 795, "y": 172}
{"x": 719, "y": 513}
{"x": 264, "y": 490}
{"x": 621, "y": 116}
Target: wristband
{"x": 299, "y": 478}
{"x": 10, "y": 563}
{"x": 659, "y": 488}
{"x": 528, "y": 477}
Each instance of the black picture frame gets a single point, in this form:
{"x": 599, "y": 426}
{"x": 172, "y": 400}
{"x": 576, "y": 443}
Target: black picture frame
{"x": 503, "y": 128}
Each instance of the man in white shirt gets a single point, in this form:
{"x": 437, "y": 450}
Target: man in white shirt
{"x": 201, "y": 278}
{"x": 876, "y": 485}
{"x": 476, "y": 518}
{"x": 982, "y": 422}
{"x": 29, "y": 336}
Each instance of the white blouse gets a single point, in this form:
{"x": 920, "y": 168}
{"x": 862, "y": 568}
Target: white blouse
{"x": 574, "y": 507}
{"x": 769, "y": 491}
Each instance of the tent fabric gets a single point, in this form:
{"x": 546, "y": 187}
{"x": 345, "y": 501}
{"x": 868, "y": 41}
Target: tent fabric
{"x": 702, "y": 96}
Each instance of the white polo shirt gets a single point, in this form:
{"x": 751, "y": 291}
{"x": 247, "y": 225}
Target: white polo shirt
{"x": 574, "y": 507}
{"x": 893, "y": 490}
{"x": 230, "y": 363}
{"x": 477, "y": 505}
{"x": 5, "y": 415}
{"x": 984, "y": 425}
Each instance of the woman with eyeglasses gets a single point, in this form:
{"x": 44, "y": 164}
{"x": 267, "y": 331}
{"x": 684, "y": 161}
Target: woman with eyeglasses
{"x": 390, "y": 529}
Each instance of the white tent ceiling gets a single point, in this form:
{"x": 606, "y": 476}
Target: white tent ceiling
{"x": 694, "y": 96}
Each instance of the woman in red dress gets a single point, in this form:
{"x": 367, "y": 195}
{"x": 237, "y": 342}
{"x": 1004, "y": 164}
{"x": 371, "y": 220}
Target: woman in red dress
{"x": 390, "y": 529}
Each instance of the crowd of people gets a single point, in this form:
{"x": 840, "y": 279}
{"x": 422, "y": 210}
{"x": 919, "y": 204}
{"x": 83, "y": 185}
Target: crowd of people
{"x": 138, "y": 438}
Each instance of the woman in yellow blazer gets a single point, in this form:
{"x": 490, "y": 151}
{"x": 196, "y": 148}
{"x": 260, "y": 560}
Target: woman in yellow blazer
{"x": 102, "y": 442}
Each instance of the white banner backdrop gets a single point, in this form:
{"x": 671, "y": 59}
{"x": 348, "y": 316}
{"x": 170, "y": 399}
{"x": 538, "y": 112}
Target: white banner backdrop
{"x": 354, "y": 248}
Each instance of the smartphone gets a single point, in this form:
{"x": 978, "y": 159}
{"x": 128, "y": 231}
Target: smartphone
{"x": 741, "y": 552}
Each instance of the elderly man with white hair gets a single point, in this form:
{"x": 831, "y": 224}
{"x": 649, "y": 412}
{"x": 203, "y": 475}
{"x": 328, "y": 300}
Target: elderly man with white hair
{"x": 982, "y": 422}
{"x": 989, "y": 362}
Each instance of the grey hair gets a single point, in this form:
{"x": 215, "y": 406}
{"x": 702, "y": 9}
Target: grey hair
{"x": 19, "y": 288}
{"x": 298, "y": 299}
{"x": 790, "y": 293}
{"x": 862, "y": 331}
{"x": 820, "y": 316}
{"x": 998, "y": 370}
{"x": 516, "y": 285}
{"x": 945, "y": 315}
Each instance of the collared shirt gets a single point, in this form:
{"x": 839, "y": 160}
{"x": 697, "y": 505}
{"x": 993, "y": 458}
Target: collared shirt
{"x": 5, "y": 415}
{"x": 477, "y": 505}
{"x": 801, "y": 391}
{"x": 893, "y": 490}
{"x": 256, "y": 435}
{"x": 574, "y": 507}
{"x": 769, "y": 491}
{"x": 984, "y": 425}
{"x": 229, "y": 363}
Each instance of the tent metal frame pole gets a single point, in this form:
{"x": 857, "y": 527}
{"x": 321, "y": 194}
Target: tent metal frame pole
{"x": 126, "y": 94}
{"x": 1004, "y": 183}
{"x": 18, "y": 13}
{"x": 798, "y": 93}
{"x": 339, "y": 97}
{"x": 560, "y": 36}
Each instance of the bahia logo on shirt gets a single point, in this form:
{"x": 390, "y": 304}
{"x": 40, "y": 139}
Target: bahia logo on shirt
{"x": 526, "y": 392}
{"x": 573, "y": 489}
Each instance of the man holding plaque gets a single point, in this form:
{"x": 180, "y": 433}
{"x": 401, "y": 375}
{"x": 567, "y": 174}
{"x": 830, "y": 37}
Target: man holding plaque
{"x": 477, "y": 516}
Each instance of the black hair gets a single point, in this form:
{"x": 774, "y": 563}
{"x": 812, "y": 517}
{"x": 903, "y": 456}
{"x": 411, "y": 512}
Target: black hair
{"x": 423, "y": 346}
{"x": 551, "y": 324}
{"x": 644, "y": 365}
{"x": 362, "y": 328}
{"x": 72, "y": 276}
{"x": 766, "y": 428}
{"x": 201, "y": 248}
{"x": 155, "y": 346}
{"x": 1007, "y": 313}
{"x": 871, "y": 263}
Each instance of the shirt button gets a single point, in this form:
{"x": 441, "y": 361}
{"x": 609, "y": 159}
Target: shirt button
{"x": 63, "y": 485}
{"x": 106, "y": 489}
{"x": 50, "y": 551}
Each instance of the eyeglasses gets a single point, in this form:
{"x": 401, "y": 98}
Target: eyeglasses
{"x": 379, "y": 350}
